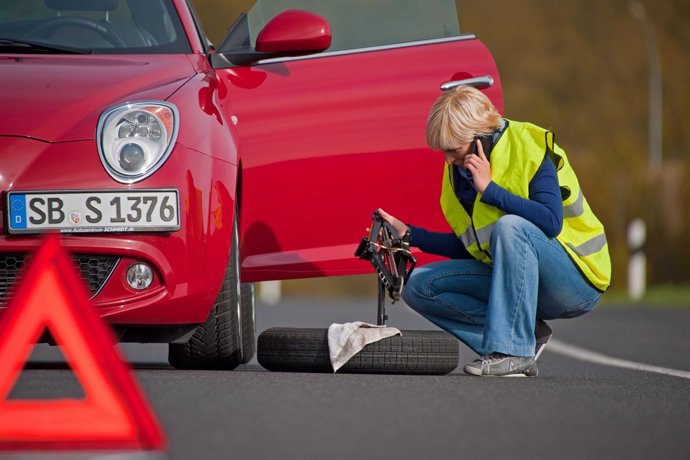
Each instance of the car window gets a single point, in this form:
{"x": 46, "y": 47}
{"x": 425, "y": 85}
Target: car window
{"x": 363, "y": 23}
{"x": 101, "y": 26}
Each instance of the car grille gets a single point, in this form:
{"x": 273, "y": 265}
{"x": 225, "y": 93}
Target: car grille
{"x": 95, "y": 270}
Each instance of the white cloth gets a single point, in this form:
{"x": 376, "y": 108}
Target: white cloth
{"x": 346, "y": 340}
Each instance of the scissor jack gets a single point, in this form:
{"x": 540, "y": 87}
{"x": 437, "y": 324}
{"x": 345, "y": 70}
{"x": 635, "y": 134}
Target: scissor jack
{"x": 392, "y": 259}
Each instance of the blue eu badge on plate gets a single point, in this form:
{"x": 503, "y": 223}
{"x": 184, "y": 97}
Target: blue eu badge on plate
{"x": 18, "y": 211}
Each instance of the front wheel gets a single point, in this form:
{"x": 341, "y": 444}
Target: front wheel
{"x": 226, "y": 339}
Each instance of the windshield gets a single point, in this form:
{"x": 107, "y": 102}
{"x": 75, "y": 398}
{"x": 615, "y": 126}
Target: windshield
{"x": 91, "y": 26}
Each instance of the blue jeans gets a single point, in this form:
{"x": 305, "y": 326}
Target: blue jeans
{"x": 494, "y": 308}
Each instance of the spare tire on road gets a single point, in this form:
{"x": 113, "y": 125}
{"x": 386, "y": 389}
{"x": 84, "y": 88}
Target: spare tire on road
{"x": 306, "y": 350}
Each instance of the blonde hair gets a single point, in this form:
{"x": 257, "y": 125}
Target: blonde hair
{"x": 458, "y": 116}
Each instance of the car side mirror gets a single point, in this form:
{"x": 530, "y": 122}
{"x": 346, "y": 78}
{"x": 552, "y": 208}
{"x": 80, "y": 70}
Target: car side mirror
{"x": 290, "y": 33}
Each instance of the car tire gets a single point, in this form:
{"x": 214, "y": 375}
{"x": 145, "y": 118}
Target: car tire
{"x": 306, "y": 350}
{"x": 219, "y": 342}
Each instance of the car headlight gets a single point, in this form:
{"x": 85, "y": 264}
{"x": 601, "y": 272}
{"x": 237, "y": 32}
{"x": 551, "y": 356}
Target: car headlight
{"x": 135, "y": 139}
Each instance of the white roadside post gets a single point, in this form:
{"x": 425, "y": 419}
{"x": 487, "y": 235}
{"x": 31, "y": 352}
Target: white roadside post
{"x": 270, "y": 292}
{"x": 637, "y": 264}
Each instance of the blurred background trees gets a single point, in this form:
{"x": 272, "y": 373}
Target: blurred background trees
{"x": 580, "y": 68}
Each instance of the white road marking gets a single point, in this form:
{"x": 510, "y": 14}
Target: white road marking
{"x": 582, "y": 354}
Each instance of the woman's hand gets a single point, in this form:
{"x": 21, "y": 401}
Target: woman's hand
{"x": 399, "y": 227}
{"x": 479, "y": 167}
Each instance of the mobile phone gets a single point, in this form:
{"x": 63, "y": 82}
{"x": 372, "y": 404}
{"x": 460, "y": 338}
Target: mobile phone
{"x": 487, "y": 144}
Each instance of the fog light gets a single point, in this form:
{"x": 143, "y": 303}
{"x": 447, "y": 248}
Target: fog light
{"x": 139, "y": 276}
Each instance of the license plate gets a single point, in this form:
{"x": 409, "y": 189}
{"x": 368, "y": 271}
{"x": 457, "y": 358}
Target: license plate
{"x": 93, "y": 211}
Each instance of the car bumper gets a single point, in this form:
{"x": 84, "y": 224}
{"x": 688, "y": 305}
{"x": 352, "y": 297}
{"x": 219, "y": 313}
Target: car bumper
{"x": 188, "y": 264}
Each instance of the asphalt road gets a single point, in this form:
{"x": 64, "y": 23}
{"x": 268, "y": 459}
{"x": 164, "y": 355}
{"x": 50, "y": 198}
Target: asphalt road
{"x": 574, "y": 409}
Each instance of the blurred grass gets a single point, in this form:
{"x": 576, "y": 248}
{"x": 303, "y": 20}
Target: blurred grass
{"x": 675, "y": 296}
{"x": 364, "y": 286}
{"x": 340, "y": 286}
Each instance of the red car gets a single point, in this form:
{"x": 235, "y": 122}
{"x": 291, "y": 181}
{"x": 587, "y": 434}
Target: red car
{"x": 180, "y": 174}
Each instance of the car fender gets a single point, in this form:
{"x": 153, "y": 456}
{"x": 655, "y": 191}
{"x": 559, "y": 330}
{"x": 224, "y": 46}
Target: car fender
{"x": 203, "y": 125}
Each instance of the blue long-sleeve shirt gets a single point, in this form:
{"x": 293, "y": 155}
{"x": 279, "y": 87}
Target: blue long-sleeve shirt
{"x": 543, "y": 208}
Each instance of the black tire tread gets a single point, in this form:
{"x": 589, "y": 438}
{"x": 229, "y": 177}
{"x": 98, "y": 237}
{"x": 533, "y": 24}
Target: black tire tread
{"x": 306, "y": 350}
{"x": 216, "y": 343}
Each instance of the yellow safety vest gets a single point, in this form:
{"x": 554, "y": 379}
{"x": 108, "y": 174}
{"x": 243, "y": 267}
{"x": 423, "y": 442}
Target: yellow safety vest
{"x": 514, "y": 160}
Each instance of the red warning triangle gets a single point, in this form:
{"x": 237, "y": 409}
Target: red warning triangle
{"x": 113, "y": 413}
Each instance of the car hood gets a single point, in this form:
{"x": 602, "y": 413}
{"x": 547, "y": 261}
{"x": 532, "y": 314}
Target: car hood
{"x": 59, "y": 98}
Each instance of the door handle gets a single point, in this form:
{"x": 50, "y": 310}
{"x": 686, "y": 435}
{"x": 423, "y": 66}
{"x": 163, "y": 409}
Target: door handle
{"x": 478, "y": 82}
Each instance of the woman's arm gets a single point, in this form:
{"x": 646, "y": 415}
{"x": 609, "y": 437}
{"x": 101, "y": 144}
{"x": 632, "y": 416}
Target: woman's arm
{"x": 441, "y": 244}
{"x": 544, "y": 207}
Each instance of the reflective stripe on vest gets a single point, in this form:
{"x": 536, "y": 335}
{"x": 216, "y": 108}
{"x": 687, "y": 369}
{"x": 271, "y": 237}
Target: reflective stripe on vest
{"x": 589, "y": 247}
{"x": 484, "y": 235}
{"x": 576, "y": 208}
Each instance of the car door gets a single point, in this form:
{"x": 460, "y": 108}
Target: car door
{"x": 326, "y": 139}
